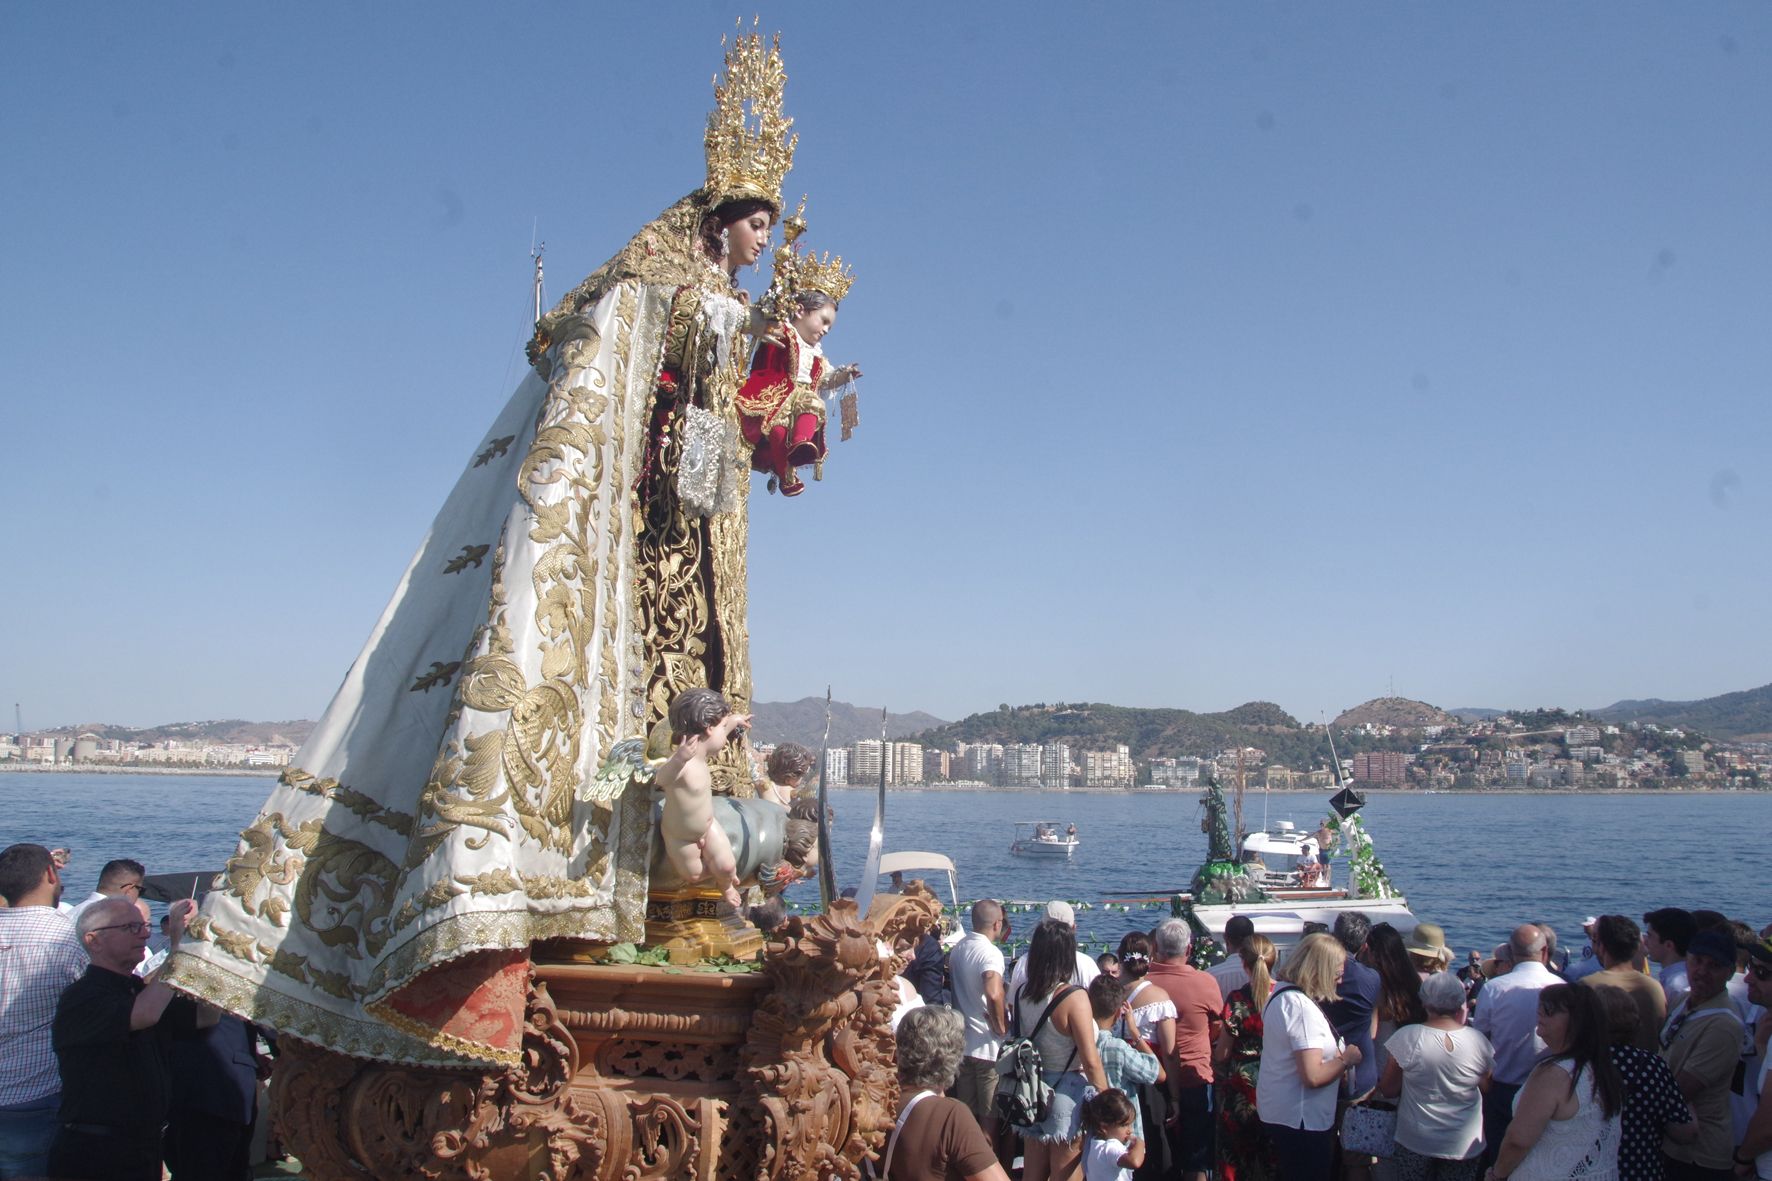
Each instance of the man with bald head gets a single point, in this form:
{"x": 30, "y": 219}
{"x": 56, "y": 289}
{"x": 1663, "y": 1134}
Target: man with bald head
{"x": 1507, "y": 1014}
{"x": 112, "y": 1038}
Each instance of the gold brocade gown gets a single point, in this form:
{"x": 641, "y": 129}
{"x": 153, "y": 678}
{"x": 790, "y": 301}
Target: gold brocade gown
{"x": 436, "y": 823}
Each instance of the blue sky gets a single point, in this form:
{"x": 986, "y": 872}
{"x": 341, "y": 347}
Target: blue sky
{"x": 1214, "y": 352}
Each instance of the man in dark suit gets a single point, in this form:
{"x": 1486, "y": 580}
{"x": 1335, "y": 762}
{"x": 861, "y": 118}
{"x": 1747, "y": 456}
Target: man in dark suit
{"x": 214, "y": 1103}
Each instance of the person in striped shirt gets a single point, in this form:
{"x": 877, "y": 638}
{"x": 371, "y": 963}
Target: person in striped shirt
{"x": 39, "y": 958}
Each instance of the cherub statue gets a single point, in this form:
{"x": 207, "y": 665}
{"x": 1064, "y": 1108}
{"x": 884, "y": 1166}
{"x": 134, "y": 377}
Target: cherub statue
{"x": 695, "y": 846}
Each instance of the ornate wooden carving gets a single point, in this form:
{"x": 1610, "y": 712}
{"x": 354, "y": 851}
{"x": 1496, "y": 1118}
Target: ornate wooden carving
{"x": 345, "y": 1118}
{"x": 819, "y": 1061}
{"x": 641, "y": 1074}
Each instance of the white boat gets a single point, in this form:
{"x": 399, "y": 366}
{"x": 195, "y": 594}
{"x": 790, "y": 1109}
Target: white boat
{"x": 918, "y": 866}
{"x": 1282, "y": 858}
{"x": 1045, "y": 838}
{"x": 1287, "y": 920}
{"x": 1281, "y": 882}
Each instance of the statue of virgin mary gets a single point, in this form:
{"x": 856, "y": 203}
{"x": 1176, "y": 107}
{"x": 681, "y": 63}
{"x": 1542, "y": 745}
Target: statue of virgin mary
{"x": 588, "y": 566}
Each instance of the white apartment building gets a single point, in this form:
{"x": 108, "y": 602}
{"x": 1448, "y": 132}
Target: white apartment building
{"x": 1108, "y": 768}
{"x": 1055, "y": 764}
{"x": 1021, "y": 764}
{"x": 907, "y": 763}
{"x": 864, "y": 761}
{"x": 983, "y": 761}
{"x": 836, "y": 766}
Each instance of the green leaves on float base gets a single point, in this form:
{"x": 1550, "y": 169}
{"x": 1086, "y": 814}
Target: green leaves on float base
{"x": 628, "y": 953}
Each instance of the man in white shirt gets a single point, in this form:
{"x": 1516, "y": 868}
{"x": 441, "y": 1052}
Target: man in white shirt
{"x": 1087, "y": 969}
{"x": 1667, "y": 933}
{"x": 1507, "y": 1014}
{"x": 121, "y": 878}
{"x": 976, "y": 966}
{"x": 1231, "y": 974}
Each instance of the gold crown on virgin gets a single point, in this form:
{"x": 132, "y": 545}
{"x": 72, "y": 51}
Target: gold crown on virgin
{"x": 826, "y": 274}
{"x": 748, "y": 143}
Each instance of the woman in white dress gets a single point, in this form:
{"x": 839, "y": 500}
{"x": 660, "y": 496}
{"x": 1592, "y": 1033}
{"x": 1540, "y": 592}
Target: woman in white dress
{"x": 1566, "y": 1116}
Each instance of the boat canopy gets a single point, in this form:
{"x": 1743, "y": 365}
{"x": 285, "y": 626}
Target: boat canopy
{"x": 901, "y": 862}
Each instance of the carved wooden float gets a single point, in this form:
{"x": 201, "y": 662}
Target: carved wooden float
{"x": 641, "y": 1073}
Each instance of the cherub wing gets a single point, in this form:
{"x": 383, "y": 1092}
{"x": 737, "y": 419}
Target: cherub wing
{"x": 626, "y": 763}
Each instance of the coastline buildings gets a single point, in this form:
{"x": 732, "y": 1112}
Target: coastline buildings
{"x": 1533, "y": 750}
{"x": 92, "y": 750}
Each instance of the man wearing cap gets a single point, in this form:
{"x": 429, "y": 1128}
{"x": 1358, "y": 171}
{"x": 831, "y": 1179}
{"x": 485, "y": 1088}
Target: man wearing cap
{"x": 1753, "y": 1156}
{"x": 1701, "y": 1043}
{"x": 1507, "y": 1015}
{"x": 1615, "y": 942}
{"x": 1589, "y": 963}
{"x": 1087, "y": 969}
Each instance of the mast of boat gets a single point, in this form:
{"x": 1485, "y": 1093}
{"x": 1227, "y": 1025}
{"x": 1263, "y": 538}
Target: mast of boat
{"x": 1334, "y": 759}
{"x": 1242, "y": 783}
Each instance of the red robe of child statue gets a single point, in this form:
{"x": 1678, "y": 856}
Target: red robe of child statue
{"x": 780, "y": 410}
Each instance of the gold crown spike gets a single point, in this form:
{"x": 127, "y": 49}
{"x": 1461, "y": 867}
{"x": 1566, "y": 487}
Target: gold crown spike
{"x": 826, "y": 274}
{"x": 748, "y": 143}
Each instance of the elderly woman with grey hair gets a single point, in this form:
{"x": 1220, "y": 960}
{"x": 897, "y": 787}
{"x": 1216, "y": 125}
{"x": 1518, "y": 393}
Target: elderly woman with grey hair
{"x": 936, "y": 1138}
{"x": 1441, "y": 1069}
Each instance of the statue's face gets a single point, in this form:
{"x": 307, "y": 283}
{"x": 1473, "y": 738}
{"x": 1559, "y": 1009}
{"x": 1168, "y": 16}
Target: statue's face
{"x": 813, "y": 325}
{"x": 747, "y": 237}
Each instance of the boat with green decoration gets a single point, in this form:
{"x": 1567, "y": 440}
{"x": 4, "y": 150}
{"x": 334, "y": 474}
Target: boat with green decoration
{"x": 1283, "y": 879}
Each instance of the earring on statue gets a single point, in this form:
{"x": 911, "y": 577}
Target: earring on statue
{"x": 725, "y": 240}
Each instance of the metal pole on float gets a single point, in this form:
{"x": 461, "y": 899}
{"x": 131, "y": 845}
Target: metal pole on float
{"x": 535, "y": 252}
{"x": 827, "y": 870}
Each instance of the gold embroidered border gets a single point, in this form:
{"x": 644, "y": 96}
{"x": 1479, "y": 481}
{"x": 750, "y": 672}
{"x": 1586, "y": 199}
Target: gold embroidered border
{"x": 258, "y": 1002}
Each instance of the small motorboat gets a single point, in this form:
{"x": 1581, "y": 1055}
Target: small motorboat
{"x": 1045, "y": 838}
{"x": 909, "y": 866}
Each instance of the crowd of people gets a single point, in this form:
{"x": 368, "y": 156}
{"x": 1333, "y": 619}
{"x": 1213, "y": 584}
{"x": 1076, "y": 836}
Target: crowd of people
{"x": 1359, "y": 1053}
{"x": 106, "y": 1073}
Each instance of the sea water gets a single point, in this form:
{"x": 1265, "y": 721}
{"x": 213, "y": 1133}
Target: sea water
{"x": 1477, "y": 864}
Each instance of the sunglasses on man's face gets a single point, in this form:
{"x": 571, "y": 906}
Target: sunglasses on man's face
{"x": 1760, "y": 971}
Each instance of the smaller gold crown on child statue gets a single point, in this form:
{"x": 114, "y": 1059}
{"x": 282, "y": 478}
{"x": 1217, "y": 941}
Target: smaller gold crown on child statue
{"x": 749, "y": 147}
{"x": 826, "y": 274}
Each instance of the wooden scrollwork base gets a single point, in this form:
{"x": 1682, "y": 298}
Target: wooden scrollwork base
{"x": 641, "y": 1073}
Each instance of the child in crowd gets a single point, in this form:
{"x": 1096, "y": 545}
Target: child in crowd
{"x": 1112, "y": 1151}
{"x": 781, "y": 405}
{"x": 696, "y": 846}
{"x": 1129, "y": 1062}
